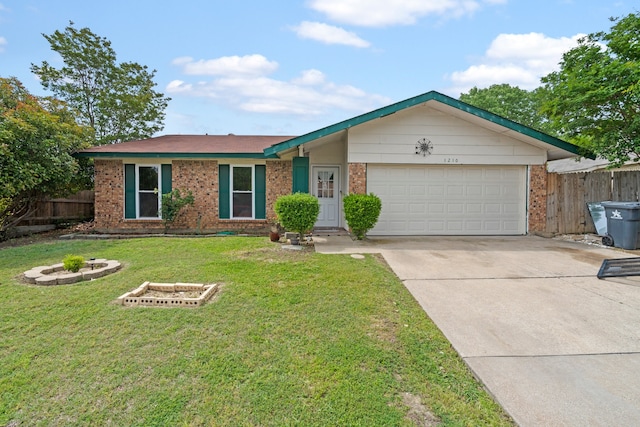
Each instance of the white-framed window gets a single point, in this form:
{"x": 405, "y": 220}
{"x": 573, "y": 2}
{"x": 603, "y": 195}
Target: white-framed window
{"x": 148, "y": 196}
{"x": 242, "y": 191}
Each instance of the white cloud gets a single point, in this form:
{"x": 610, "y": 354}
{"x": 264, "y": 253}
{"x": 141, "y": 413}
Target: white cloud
{"x": 329, "y": 34}
{"x": 252, "y": 65}
{"x": 309, "y": 94}
{"x": 3, "y": 43}
{"x": 310, "y": 77}
{"x": 381, "y": 13}
{"x": 517, "y": 59}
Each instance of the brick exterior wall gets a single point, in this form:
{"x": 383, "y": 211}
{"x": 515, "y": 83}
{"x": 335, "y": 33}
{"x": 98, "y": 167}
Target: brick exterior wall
{"x": 357, "y": 178}
{"x": 201, "y": 178}
{"x": 279, "y": 183}
{"x": 537, "y": 217}
{"x": 109, "y": 193}
{"x": 198, "y": 176}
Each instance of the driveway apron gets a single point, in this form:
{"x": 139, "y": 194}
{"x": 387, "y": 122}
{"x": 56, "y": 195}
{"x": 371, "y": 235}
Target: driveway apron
{"x": 552, "y": 343}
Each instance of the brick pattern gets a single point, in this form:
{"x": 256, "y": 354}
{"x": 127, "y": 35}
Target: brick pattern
{"x": 198, "y": 176}
{"x": 109, "y": 193}
{"x": 279, "y": 183}
{"x": 357, "y": 178}
{"x": 537, "y": 198}
{"x": 201, "y": 178}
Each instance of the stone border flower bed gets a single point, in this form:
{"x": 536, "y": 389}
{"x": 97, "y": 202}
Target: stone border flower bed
{"x": 141, "y": 296}
{"x": 55, "y": 274}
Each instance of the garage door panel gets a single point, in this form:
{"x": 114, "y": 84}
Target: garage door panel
{"x": 435, "y": 190}
{"x": 417, "y": 174}
{"x": 512, "y": 226}
{"x": 455, "y": 190}
{"x": 436, "y": 208}
{"x": 511, "y": 209}
{"x": 435, "y": 172}
{"x": 417, "y": 208}
{"x": 397, "y": 208}
{"x": 454, "y": 226}
{"x": 474, "y": 208}
{"x": 493, "y": 209}
{"x": 418, "y": 190}
{"x": 398, "y": 190}
{"x": 449, "y": 200}
{"x": 399, "y": 227}
{"x": 475, "y": 191}
{"x": 435, "y": 227}
{"x": 473, "y": 225}
{"x": 455, "y": 208}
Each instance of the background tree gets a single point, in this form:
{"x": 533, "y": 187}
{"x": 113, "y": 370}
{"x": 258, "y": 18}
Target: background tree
{"x": 117, "y": 100}
{"x": 37, "y": 139}
{"x": 594, "y": 99}
{"x": 513, "y": 103}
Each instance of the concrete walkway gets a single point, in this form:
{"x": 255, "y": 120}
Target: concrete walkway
{"x": 552, "y": 343}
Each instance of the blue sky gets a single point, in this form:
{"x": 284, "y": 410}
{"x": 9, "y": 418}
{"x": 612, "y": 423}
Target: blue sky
{"x": 290, "y": 67}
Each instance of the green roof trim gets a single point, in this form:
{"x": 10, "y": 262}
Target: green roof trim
{"x": 120, "y": 155}
{"x": 416, "y": 100}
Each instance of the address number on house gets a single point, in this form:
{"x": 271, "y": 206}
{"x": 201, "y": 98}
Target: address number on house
{"x": 451, "y": 160}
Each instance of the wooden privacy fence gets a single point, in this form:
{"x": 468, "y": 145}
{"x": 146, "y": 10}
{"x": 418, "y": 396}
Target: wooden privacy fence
{"x": 568, "y": 195}
{"x": 77, "y": 207}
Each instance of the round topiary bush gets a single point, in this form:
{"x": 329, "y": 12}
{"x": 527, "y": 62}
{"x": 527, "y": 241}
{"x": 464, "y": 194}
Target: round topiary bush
{"x": 361, "y": 211}
{"x": 297, "y": 212}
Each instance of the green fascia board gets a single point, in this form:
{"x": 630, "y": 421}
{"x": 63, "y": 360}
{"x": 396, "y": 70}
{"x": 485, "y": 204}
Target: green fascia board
{"x": 411, "y": 102}
{"x": 114, "y": 155}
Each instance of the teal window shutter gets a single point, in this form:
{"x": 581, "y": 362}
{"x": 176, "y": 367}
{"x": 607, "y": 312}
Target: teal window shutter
{"x": 300, "y": 175}
{"x": 129, "y": 191}
{"x": 223, "y": 192}
{"x": 261, "y": 191}
{"x": 166, "y": 179}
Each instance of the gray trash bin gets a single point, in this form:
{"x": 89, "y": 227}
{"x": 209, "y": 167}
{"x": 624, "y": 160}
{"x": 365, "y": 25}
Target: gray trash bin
{"x": 623, "y": 224}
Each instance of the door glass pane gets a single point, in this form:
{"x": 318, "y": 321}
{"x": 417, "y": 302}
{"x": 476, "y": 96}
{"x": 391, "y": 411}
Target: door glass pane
{"x": 241, "y": 179}
{"x": 324, "y": 185}
{"x": 148, "y": 205}
{"x": 242, "y": 205}
{"x": 148, "y": 178}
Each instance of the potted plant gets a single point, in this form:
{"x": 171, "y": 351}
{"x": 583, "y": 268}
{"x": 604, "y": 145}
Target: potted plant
{"x": 274, "y": 234}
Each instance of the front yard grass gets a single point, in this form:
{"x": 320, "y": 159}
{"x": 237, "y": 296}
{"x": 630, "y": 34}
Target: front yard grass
{"x": 292, "y": 338}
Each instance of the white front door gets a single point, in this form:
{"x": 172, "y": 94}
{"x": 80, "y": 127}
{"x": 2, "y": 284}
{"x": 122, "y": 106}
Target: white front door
{"x": 326, "y": 187}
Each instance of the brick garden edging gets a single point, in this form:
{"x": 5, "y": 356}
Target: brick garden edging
{"x": 137, "y": 296}
{"x": 50, "y": 274}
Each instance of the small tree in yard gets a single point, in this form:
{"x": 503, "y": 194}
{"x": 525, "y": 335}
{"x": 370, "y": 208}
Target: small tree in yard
{"x": 361, "y": 211}
{"x": 37, "y": 139}
{"x": 172, "y": 204}
{"x": 297, "y": 212}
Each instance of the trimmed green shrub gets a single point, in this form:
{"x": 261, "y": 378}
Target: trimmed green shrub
{"x": 361, "y": 211}
{"x": 172, "y": 204}
{"x": 297, "y": 212}
{"x": 73, "y": 263}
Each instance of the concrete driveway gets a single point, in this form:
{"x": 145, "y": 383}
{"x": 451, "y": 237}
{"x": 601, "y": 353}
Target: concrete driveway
{"x": 552, "y": 343}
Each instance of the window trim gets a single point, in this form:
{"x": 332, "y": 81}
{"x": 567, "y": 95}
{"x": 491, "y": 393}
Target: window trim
{"x": 138, "y": 191}
{"x": 252, "y": 192}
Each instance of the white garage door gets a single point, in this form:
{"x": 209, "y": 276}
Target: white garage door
{"x": 449, "y": 200}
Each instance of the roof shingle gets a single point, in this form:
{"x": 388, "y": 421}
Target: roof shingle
{"x": 192, "y": 144}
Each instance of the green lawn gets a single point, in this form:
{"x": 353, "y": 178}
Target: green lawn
{"x": 292, "y": 338}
